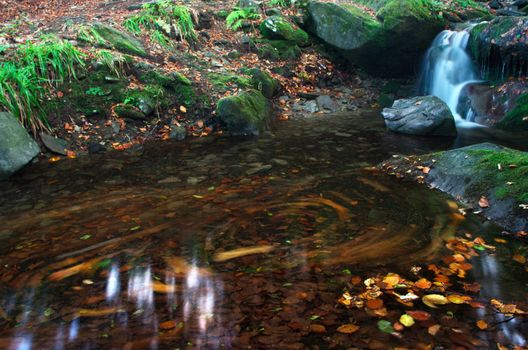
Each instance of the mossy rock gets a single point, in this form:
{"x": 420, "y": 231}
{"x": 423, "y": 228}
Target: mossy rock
{"x": 516, "y": 119}
{"x": 389, "y": 44}
{"x": 265, "y": 83}
{"x": 501, "y": 44}
{"x": 277, "y": 49}
{"x": 471, "y": 172}
{"x": 278, "y": 27}
{"x": 249, "y": 113}
{"x": 175, "y": 83}
{"x": 120, "y": 41}
{"x": 129, "y": 112}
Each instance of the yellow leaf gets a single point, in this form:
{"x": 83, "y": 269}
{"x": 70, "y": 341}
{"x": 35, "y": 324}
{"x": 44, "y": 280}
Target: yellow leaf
{"x": 406, "y": 320}
{"x": 432, "y": 300}
{"x": 348, "y": 328}
{"x": 458, "y": 299}
{"x": 237, "y": 253}
{"x": 183, "y": 109}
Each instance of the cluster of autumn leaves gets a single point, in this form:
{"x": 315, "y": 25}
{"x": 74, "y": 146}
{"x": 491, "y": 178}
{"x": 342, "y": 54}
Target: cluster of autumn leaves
{"x": 433, "y": 294}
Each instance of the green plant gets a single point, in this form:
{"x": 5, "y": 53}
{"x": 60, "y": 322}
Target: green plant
{"x": 236, "y": 19}
{"x": 166, "y": 18}
{"x": 114, "y": 61}
{"x": 281, "y": 3}
{"x": 160, "y": 38}
{"x": 90, "y": 35}
{"x": 29, "y": 68}
{"x": 96, "y": 91}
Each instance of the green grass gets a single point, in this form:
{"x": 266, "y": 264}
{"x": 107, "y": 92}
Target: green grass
{"x": 165, "y": 18}
{"x": 28, "y": 70}
{"x": 116, "y": 62}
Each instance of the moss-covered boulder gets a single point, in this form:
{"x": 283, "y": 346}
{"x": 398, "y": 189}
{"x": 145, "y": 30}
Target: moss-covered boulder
{"x": 17, "y": 148}
{"x": 265, "y": 83}
{"x": 277, "y": 49}
{"x": 501, "y": 44}
{"x": 246, "y": 114}
{"x": 278, "y": 27}
{"x": 129, "y": 112}
{"x": 484, "y": 170}
{"x": 178, "y": 88}
{"x": 516, "y": 119}
{"x": 390, "y": 43}
{"x": 118, "y": 40}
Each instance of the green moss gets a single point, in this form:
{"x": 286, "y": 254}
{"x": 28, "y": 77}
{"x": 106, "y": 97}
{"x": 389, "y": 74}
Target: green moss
{"x": 225, "y": 81}
{"x": 474, "y": 40}
{"x": 278, "y": 27}
{"x": 511, "y": 181}
{"x": 264, "y": 82}
{"x": 514, "y": 119}
{"x": 245, "y": 114}
{"x": 277, "y": 49}
{"x": 119, "y": 40}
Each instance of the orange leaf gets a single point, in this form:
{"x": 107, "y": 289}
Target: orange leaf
{"x": 348, "y": 328}
{"x": 423, "y": 283}
{"x": 419, "y": 315}
{"x": 375, "y": 304}
{"x": 482, "y": 325}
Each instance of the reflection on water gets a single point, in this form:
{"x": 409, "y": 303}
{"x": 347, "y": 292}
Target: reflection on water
{"x": 223, "y": 244}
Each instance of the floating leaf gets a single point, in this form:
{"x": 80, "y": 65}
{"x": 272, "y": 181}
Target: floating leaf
{"x": 406, "y": 320}
{"x": 519, "y": 258}
{"x": 85, "y": 237}
{"x": 375, "y": 304}
{"x": 482, "y": 325}
{"x": 432, "y": 300}
{"x": 458, "y": 299}
{"x": 423, "y": 283}
{"x": 419, "y": 315}
{"x": 433, "y": 329}
{"x": 385, "y": 326}
{"x": 348, "y": 328}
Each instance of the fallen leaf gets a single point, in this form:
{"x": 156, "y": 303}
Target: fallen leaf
{"x": 519, "y": 258}
{"x": 385, "y": 326}
{"x": 432, "y": 300}
{"x": 348, "y": 328}
{"x": 433, "y": 329}
{"x": 482, "y": 325}
{"x": 237, "y": 253}
{"x": 423, "y": 283}
{"x": 406, "y": 320}
{"x": 458, "y": 299}
{"x": 375, "y": 304}
{"x": 317, "y": 328}
{"x": 419, "y": 315}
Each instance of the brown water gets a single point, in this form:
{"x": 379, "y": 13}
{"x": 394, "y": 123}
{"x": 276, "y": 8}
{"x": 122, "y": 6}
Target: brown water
{"x": 142, "y": 249}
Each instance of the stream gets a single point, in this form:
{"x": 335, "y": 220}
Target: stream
{"x": 223, "y": 243}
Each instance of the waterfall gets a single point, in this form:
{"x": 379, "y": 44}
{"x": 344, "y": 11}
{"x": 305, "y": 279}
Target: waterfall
{"x": 447, "y": 69}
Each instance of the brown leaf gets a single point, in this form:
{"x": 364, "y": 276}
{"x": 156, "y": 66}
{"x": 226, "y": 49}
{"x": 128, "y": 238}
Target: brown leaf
{"x": 375, "y": 304}
{"x": 348, "y": 328}
{"x": 482, "y": 325}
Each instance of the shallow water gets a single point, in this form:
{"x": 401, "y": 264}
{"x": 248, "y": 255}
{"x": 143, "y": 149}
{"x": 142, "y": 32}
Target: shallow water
{"x": 141, "y": 249}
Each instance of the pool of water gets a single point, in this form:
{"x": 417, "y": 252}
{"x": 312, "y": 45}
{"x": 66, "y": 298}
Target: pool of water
{"x": 222, "y": 243}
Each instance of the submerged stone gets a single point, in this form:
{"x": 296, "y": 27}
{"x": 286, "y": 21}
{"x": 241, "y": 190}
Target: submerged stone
{"x": 17, "y": 148}
{"x": 423, "y": 115}
{"x": 246, "y": 114}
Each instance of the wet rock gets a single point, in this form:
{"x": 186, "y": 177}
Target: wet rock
{"x": 502, "y": 40}
{"x": 54, "y": 144}
{"x": 469, "y": 173}
{"x": 195, "y": 180}
{"x": 264, "y": 82}
{"x": 391, "y": 43}
{"x": 325, "y": 102}
{"x": 259, "y": 169}
{"x": 17, "y": 148}
{"x": 248, "y": 113}
{"x": 95, "y": 148}
{"x": 178, "y": 132}
{"x": 309, "y": 107}
{"x": 129, "y": 112}
{"x": 423, "y": 115}
{"x": 119, "y": 40}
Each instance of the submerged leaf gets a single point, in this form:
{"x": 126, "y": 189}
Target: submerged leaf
{"x": 406, "y": 320}
{"x": 348, "y": 328}
{"x": 432, "y": 300}
{"x": 385, "y": 326}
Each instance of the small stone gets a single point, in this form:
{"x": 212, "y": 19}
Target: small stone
{"x": 261, "y": 169}
{"x": 54, "y": 144}
{"x": 178, "y": 132}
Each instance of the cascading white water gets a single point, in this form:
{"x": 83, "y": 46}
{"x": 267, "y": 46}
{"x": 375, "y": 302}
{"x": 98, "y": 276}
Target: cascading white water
{"x": 448, "y": 69}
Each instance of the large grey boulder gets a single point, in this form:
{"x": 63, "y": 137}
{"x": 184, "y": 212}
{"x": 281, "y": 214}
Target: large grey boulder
{"x": 17, "y": 148}
{"x": 422, "y": 115}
